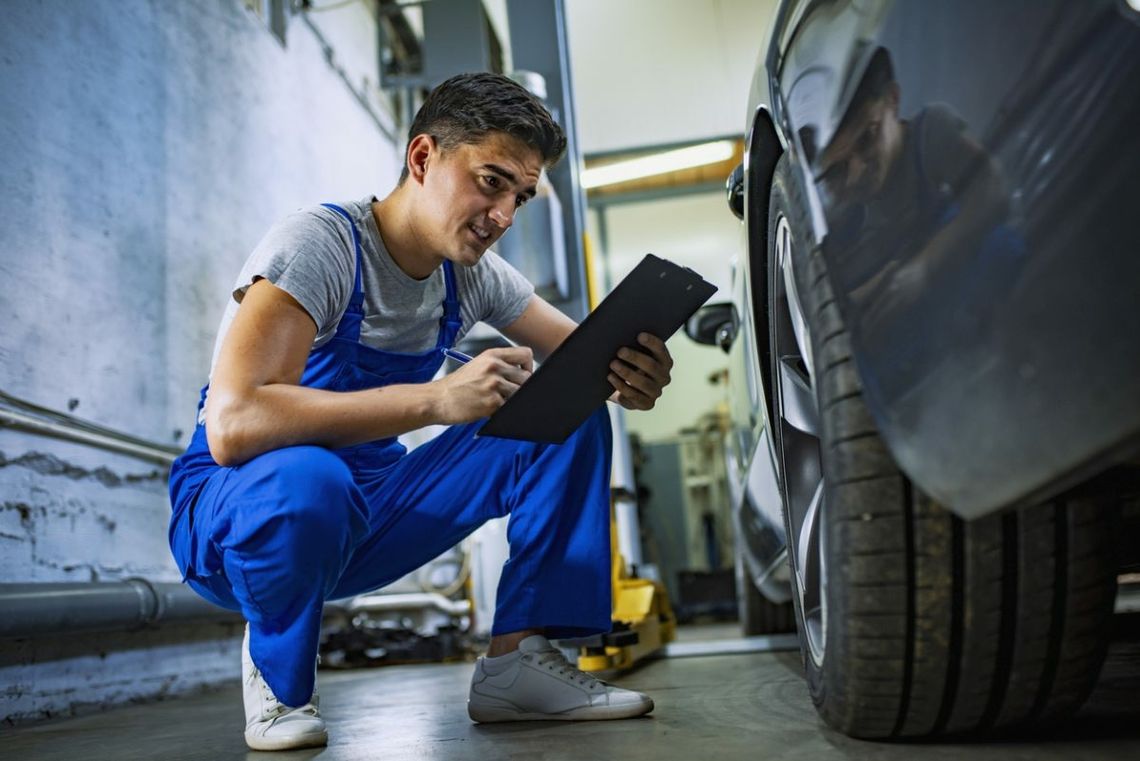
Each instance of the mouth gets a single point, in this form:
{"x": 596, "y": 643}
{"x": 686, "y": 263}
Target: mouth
{"x": 481, "y": 233}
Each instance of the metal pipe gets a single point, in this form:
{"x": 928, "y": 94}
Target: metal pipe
{"x": 387, "y": 130}
{"x": 35, "y": 610}
{"x": 378, "y": 603}
{"x": 22, "y": 422}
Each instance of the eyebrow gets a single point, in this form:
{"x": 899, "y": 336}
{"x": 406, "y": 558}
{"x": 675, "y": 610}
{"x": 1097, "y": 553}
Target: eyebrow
{"x": 509, "y": 177}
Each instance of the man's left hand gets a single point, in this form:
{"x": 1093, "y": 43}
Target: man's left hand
{"x": 639, "y": 376}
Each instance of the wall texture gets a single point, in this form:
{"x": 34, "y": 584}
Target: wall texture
{"x": 144, "y": 148}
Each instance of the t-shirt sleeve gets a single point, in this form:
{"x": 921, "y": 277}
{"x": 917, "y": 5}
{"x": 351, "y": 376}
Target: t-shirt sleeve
{"x": 309, "y": 255}
{"x": 502, "y": 293}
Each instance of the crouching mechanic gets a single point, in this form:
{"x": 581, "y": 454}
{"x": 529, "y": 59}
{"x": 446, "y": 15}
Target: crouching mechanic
{"x": 294, "y": 489}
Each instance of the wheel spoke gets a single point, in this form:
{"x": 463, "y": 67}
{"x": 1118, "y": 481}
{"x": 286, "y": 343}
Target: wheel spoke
{"x": 796, "y": 320}
{"x": 807, "y": 545}
{"x": 800, "y": 408}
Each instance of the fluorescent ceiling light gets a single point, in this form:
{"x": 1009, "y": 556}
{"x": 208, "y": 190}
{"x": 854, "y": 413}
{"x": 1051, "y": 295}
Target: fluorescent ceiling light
{"x": 658, "y": 163}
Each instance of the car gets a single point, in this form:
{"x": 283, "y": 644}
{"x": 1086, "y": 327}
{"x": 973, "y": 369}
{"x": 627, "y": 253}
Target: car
{"x": 934, "y": 353}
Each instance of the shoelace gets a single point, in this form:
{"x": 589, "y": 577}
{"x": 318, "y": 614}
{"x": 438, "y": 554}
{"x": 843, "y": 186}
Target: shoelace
{"x": 554, "y": 660}
{"x": 274, "y": 707}
{"x": 271, "y": 706}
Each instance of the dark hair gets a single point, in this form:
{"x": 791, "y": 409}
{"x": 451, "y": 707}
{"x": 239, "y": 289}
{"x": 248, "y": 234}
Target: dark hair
{"x": 467, "y": 107}
{"x": 877, "y": 78}
{"x": 875, "y": 82}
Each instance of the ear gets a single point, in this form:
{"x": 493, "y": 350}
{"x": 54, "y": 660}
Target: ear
{"x": 422, "y": 150}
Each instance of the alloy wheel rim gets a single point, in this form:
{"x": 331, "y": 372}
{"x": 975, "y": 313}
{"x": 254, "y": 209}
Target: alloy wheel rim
{"x": 799, "y": 421}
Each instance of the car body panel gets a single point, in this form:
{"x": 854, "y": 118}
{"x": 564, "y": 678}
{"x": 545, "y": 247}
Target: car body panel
{"x": 1000, "y": 360}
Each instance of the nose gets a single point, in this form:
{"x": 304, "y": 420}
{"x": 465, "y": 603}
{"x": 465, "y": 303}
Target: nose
{"x": 503, "y": 213}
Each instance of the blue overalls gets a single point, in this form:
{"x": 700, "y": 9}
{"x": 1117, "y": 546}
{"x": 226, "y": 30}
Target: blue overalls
{"x": 278, "y": 535}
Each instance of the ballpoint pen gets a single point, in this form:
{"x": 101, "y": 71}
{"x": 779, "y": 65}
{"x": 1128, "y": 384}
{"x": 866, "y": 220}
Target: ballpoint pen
{"x": 458, "y": 356}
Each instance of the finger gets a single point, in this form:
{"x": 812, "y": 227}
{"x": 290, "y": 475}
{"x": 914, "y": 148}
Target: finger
{"x": 641, "y": 361}
{"x": 513, "y": 373}
{"x": 627, "y": 393}
{"x": 646, "y": 384}
{"x": 505, "y": 389}
{"x": 626, "y": 403}
{"x": 657, "y": 346}
{"x": 521, "y": 356}
{"x": 651, "y": 367}
{"x": 620, "y": 387}
{"x": 630, "y": 404}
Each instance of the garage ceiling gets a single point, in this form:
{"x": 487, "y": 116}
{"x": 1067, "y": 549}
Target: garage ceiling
{"x": 654, "y": 72}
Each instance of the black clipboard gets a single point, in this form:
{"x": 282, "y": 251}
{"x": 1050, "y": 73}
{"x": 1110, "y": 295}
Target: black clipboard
{"x": 657, "y": 297}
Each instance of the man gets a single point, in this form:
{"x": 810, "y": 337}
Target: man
{"x": 294, "y": 489}
{"x": 917, "y": 208}
{"x": 909, "y": 197}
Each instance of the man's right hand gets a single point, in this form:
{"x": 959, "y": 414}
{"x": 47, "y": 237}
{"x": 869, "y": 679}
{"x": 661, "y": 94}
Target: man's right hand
{"x": 480, "y": 387}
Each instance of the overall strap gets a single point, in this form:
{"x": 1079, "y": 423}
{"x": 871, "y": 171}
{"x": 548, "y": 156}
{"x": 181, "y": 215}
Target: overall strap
{"x": 452, "y": 319}
{"x": 349, "y": 326}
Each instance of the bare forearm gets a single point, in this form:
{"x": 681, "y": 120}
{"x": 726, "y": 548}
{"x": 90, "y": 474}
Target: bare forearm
{"x": 242, "y": 426}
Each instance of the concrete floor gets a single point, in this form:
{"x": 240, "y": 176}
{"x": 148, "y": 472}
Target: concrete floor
{"x": 710, "y": 707}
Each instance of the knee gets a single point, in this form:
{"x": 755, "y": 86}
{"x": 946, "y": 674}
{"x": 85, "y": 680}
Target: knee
{"x": 309, "y": 484}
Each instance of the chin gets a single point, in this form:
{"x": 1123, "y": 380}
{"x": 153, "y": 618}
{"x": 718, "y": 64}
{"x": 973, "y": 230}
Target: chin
{"x": 469, "y": 257}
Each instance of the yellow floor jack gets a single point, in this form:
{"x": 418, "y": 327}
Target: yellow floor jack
{"x": 643, "y": 620}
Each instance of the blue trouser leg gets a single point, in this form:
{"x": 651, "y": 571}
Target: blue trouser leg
{"x": 271, "y": 537}
{"x": 558, "y": 573}
{"x": 277, "y": 536}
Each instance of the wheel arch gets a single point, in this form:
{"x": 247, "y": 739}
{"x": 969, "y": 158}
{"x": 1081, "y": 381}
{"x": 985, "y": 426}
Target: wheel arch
{"x": 763, "y": 148}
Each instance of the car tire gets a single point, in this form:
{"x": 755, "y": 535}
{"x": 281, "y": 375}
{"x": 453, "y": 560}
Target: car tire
{"x": 932, "y": 626}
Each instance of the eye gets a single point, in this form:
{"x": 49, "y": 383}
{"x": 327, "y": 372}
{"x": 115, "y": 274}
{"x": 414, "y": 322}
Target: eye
{"x": 491, "y": 180}
{"x": 868, "y": 138}
{"x": 521, "y": 201}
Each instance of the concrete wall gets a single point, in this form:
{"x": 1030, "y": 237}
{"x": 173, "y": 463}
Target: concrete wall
{"x": 144, "y": 148}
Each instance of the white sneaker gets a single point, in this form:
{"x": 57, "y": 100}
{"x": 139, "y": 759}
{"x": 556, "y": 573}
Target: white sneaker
{"x": 537, "y": 683}
{"x": 269, "y": 723}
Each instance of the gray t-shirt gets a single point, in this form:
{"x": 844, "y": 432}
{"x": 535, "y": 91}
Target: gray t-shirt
{"x": 932, "y": 154}
{"x": 310, "y": 255}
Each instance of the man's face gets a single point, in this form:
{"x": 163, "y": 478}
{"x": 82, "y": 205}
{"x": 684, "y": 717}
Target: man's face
{"x": 855, "y": 165}
{"x": 472, "y": 192}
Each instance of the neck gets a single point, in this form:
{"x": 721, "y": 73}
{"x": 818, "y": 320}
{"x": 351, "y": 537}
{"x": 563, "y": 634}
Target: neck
{"x": 406, "y": 245}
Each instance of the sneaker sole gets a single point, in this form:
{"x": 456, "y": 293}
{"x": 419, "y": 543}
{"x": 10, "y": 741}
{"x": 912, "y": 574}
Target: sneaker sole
{"x": 490, "y": 714}
{"x": 259, "y": 742}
